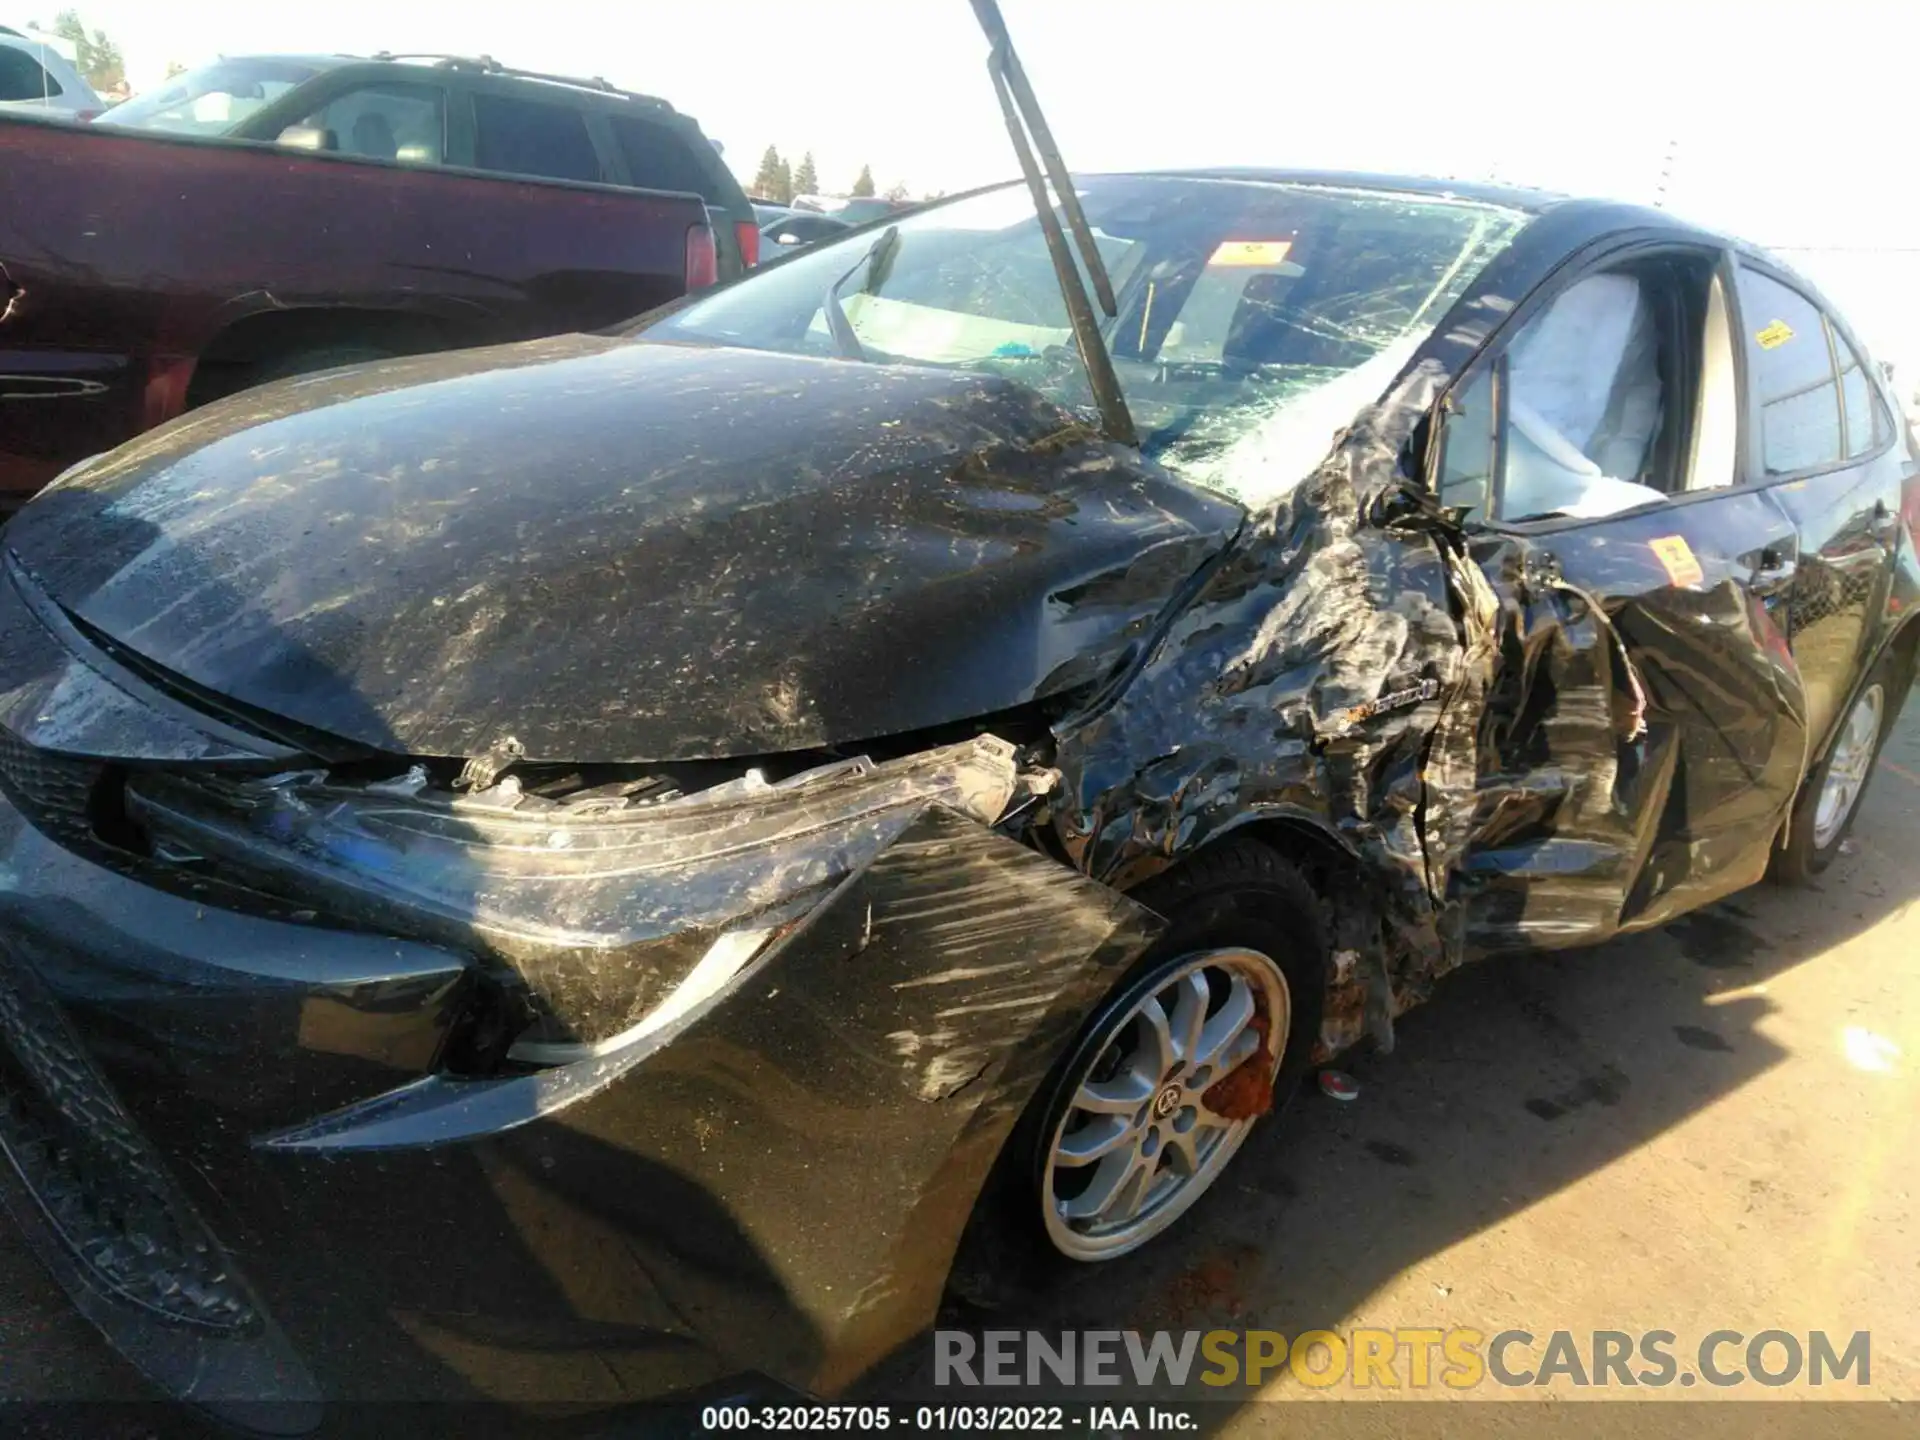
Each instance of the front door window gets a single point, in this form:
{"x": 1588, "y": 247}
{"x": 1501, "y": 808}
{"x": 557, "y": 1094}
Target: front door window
{"x": 406, "y": 123}
{"x": 1580, "y": 415}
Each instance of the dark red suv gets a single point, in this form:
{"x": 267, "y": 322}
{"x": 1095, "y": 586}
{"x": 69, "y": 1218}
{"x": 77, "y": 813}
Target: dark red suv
{"x": 272, "y": 216}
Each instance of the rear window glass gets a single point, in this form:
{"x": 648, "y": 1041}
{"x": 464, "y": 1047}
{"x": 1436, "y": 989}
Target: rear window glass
{"x": 660, "y": 157}
{"x": 23, "y": 78}
{"x": 529, "y": 137}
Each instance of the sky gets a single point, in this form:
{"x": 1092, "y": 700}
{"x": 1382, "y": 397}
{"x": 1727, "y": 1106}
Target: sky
{"x": 1792, "y": 124}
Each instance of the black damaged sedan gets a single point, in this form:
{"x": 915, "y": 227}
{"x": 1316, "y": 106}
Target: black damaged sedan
{"x": 573, "y": 871}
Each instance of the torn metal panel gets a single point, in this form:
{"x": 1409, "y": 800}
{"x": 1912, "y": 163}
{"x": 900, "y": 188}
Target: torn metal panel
{"x": 1332, "y": 669}
{"x": 1645, "y": 738}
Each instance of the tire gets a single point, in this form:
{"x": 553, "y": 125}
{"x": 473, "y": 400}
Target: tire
{"x": 306, "y": 362}
{"x": 1236, "y": 911}
{"x": 1823, "y": 814}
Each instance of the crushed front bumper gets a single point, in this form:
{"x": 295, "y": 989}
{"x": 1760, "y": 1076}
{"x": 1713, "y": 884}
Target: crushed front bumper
{"x": 227, "y": 1137}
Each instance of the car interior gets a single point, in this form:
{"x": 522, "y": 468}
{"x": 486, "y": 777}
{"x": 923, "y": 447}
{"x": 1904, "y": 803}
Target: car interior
{"x": 1618, "y": 394}
{"x": 395, "y": 122}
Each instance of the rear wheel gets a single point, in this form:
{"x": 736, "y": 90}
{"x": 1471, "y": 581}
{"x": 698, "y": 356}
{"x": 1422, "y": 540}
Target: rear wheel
{"x": 1824, "y": 813}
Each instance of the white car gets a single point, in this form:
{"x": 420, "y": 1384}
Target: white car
{"x": 37, "y": 78}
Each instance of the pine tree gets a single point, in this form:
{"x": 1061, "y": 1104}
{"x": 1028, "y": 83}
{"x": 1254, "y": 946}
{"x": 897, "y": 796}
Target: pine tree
{"x": 863, "y": 187}
{"x": 806, "y": 180}
{"x": 98, "y": 57}
{"x": 783, "y": 187}
{"x": 766, "y": 180}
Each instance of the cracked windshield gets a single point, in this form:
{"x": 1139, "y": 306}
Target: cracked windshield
{"x": 1254, "y": 319}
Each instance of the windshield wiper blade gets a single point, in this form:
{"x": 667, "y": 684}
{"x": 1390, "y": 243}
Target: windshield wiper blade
{"x": 1021, "y": 110}
{"x": 876, "y": 262}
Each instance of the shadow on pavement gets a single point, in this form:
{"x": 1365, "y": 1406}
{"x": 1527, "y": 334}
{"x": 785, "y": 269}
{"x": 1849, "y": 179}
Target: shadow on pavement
{"x": 1522, "y": 1076}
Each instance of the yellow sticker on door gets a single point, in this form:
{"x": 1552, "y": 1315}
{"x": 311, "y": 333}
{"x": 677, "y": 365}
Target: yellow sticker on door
{"x": 1676, "y": 557}
{"x": 1775, "y": 335}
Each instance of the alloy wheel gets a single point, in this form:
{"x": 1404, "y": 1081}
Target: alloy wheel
{"x": 1176, "y": 1081}
{"x": 1848, "y": 765}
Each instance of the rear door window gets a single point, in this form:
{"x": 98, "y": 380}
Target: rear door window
{"x": 1868, "y": 424}
{"x": 1790, "y": 370}
{"x": 386, "y": 122}
{"x": 531, "y": 137}
{"x": 659, "y": 157}
{"x": 24, "y": 78}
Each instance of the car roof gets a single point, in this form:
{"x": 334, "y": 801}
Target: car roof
{"x": 318, "y": 62}
{"x": 14, "y": 40}
{"x": 1514, "y": 197}
{"x": 482, "y": 67}
{"x": 50, "y": 59}
{"x": 1593, "y": 214}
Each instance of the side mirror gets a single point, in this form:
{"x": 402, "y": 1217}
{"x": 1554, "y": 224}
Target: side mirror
{"x": 305, "y": 137}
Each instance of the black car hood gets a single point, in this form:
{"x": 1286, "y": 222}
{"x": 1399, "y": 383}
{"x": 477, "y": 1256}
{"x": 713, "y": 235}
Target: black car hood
{"x": 617, "y": 550}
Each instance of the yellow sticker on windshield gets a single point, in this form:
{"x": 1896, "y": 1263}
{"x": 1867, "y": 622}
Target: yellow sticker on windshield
{"x": 1676, "y": 557}
{"x": 1775, "y": 335}
{"x": 1251, "y": 252}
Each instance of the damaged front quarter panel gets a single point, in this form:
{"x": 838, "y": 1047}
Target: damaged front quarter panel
{"x": 1330, "y": 675}
{"x": 874, "y": 1058}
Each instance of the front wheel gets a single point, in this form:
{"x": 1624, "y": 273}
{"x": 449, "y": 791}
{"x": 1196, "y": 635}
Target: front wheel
{"x": 1160, "y": 1097}
{"x": 1168, "y": 1076}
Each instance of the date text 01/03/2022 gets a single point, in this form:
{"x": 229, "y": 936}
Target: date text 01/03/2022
{"x": 975, "y": 1419}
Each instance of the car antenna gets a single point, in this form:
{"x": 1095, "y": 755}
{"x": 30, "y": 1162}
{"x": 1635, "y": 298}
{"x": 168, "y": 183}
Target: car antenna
{"x": 1028, "y": 129}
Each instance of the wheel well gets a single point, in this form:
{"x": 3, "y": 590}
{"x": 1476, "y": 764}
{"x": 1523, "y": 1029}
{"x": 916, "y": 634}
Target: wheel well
{"x": 257, "y": 339}
{"x": 1333, "y": 872}
{"x": 1327, "y": 865}
{"x": 1906, "y": 646}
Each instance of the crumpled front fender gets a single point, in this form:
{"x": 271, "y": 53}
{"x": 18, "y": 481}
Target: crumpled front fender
{"x": 1334, "y": 666}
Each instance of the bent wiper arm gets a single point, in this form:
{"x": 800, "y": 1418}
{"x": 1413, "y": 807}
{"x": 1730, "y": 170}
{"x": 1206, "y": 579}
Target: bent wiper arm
{"x": 845, "y": 342}
{"x": 1116, "y": 420}
{"x": 1006, "y": 63}
{"x": 876, "y": 262}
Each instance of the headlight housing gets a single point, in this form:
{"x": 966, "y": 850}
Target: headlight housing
{"x": 600, "y": 912}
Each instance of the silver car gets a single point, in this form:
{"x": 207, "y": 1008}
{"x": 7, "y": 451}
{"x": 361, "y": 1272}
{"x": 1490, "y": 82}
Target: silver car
{"x": 35, "y": 77}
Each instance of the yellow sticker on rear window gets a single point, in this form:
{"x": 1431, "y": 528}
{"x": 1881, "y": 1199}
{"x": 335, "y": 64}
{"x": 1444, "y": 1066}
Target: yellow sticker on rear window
{"x": 1775, "y": 335}
{"x": 1676, "y": 557}
{"x": 1251, "y": 252}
